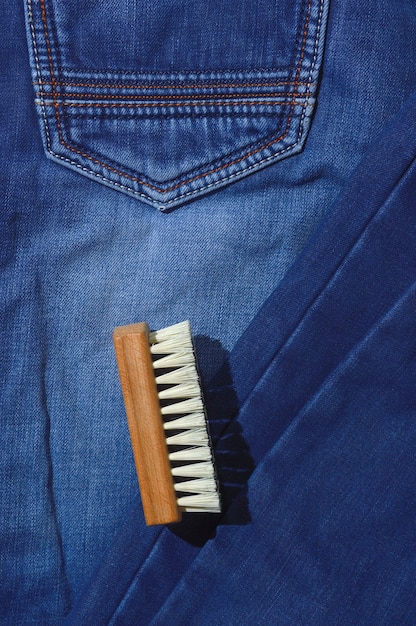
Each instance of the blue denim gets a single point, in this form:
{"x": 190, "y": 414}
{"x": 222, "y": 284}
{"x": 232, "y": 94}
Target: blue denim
{"x": 246, "y": 167}
{"x": 162, "y": 136}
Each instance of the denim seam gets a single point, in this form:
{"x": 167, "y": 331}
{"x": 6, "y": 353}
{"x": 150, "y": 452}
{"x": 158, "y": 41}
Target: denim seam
{"x": 135, "y": 178}
{"x": 45, "y": 120}
{"x": 165, "y": 105}
{"x": 131, "y": 113}
{"x": 166, "y": 98}
{"x": 215, "y": 167}
{"x": 38, "y": 71}
{"x": 216, "y": 163}
{"x": 197, "y": 86}
{"x": 267, "y": 70}
{"x": 191, "y": 192}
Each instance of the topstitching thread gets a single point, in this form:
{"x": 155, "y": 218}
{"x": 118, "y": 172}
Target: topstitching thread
{"x": 56, "y": 105}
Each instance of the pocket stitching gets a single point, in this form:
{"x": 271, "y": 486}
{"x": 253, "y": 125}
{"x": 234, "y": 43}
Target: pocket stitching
{"x": 213, "y": 166}
{"x": 250, "y": 153}
{"x": 204, "y": 85}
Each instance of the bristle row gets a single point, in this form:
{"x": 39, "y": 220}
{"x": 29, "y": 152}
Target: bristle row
{"x": 185, "y": 422}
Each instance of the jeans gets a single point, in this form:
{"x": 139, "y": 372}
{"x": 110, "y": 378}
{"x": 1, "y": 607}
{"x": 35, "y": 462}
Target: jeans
{"x": 249, "y": 168}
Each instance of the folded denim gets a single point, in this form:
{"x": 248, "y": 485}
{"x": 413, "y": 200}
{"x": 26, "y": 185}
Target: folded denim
{"x": 78, "y": 258}
{"x": 327, "y": 417}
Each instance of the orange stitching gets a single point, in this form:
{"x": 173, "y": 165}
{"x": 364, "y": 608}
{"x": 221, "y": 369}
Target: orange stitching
{"x": 212, "y": 171}
{"x": 105, "y": 105}
{"x": 305, "y": 34}
{"x": 193, "y": 86}
{"x": 87, "y": 96}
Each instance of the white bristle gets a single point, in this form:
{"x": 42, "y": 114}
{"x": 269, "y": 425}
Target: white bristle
{"x": 177, "y": 376}
{"x": 201, "y": 503}
{"x": 199, "y": 485}
{"x": 166, "y": 333}
{"x": 193, "y": 420}
{"x": 187, "y": 406}
{"x": 177, "y": 359}
{"x": 197, "y": 470}
{"x": 184, "y": 390}
{"x": 200, "y": 453}
{"x": 171, "y": 345}
{"x": 193, "y": 437}
{"x": 173, "y": 350}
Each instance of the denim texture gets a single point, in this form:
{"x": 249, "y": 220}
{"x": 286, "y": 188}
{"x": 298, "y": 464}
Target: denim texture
{"x": 311, "y": 407}
{"x": 162, "y": 136}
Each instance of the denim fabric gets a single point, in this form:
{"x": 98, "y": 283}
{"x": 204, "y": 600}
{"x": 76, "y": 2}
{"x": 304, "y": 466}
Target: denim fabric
{"x": 322, "y": 533}
{"x": 328, "y": 533}
{"x": 241, "y": 96}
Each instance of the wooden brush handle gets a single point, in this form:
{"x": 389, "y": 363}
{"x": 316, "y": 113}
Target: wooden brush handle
{"x": 145, "y": 424}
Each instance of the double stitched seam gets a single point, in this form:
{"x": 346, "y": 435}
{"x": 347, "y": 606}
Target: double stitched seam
{"x": 163, "y": 73}
{"x": 198, "y": 86}
{"x": 38, "y": 72}
{"x": 166, "y": 105}
{"x": 46, "y": 124}
{"x": 202, "y": 97}
{"x": 56, "y": 105}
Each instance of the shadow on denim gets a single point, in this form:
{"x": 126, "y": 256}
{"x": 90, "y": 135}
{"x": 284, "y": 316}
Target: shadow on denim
{"x": 233, "y": 460}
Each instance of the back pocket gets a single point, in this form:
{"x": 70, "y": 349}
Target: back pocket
{"x": 166, "y": 100}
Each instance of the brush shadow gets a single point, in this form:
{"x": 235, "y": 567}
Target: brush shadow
{"x": 233, "y": 461}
